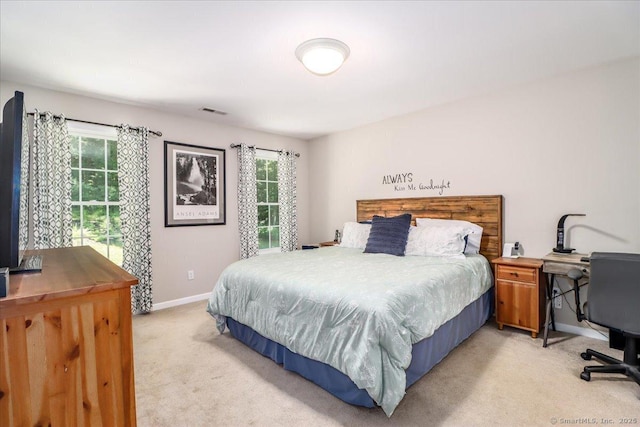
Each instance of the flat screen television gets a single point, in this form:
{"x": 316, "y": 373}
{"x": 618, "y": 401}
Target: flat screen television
{"x": 14, "y": 188}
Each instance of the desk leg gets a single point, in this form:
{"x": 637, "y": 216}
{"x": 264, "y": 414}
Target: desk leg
{"x": 550, "y": 298}
{"x": 546, "y": 325}
{"x": 549, "y": 312}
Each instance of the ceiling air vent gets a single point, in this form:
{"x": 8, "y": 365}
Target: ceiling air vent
{"x": 212, "y": 111}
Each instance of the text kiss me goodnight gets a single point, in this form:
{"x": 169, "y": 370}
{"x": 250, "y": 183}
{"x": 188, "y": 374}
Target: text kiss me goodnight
{"x": 404, "y": 182}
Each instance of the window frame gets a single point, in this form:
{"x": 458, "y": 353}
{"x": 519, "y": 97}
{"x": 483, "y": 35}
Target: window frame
{"x": 269, "y": 156}
{"x": 83, "y": 130}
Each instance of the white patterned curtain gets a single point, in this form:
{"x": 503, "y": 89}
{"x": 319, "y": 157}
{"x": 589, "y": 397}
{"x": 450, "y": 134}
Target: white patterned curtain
{"x": 287, "y": 200}
{"x": 247, "y": 201}
{"x": 52, "y": 223}
{"x": 135, "y": 212}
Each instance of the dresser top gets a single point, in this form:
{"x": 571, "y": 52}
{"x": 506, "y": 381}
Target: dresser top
{"x": 66, "y": 272}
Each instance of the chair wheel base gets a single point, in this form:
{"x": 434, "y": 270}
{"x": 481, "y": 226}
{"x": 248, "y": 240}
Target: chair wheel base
{"x": 585, "y": 356}
{"x": 585, "y": 376}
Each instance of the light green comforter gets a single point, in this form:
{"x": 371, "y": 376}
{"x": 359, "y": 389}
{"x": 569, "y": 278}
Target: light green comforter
{"x": 359, "y": 313}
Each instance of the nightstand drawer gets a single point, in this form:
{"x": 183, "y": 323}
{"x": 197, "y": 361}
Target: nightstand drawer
{"x": 518, "y": 274}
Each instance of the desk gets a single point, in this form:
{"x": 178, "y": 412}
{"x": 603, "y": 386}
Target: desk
{"x": 559, "y": 264}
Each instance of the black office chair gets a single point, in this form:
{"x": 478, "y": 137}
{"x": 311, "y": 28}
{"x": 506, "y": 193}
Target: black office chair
{"x": 613, "y": 301}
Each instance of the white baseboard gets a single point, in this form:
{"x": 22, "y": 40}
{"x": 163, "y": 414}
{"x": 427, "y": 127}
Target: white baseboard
{"x": 180, "y": 301}
{"x": 577, "y": 330}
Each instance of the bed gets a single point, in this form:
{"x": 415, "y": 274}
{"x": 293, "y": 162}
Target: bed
{"x": 364, "y": 326}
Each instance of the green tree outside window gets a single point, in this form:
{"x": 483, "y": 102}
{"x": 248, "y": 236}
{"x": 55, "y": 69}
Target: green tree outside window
{"x": 268, "y": 207}
{"x": 95, "y": 202}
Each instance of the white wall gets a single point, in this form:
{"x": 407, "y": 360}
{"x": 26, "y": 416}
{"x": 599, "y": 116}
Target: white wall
{"x": 569, "y": 144}
{"x": 205, "y": 249}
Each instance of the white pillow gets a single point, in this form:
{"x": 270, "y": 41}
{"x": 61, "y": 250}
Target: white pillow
{"x": 436, "y": 241}
{"x": 355, "y": 235}
{"x": 473, "y": 239}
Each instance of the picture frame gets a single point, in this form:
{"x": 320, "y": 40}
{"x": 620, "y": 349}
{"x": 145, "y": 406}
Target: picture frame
{"x": 194, "y": 185}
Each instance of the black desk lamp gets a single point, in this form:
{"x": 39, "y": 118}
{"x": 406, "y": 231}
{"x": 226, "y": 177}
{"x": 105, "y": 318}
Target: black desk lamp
{"x": 560, "y": 248}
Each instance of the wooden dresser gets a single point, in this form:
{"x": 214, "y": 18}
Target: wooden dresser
{"x": 66, "y": 346}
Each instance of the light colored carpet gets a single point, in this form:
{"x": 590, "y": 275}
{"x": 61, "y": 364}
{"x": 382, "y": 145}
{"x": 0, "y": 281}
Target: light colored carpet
{"x": 187, "y": 374}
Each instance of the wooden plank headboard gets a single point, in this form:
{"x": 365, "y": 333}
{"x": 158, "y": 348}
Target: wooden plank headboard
{"x": 486, "y": 211}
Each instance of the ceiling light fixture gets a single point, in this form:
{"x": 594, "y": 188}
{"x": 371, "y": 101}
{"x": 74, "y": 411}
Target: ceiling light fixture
{"x": 322, "y": 56}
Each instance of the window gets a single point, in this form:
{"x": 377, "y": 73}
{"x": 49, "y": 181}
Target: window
{"x": 95, "y": 205}
{"x": 268, "y": 207}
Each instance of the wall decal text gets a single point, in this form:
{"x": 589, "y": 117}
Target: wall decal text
{"x": 405, "y": 182}
{"x": 398, "y": 178}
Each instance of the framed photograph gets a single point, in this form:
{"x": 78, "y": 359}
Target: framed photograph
{"x": 194, "y": 185}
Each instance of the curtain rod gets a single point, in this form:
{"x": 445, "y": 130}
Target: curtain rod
{"x": 263, "y": 149}
{"x": 154, "y": 132}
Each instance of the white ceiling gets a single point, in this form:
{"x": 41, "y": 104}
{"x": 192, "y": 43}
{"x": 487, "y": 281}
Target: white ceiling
{"x": 238, "y": 57}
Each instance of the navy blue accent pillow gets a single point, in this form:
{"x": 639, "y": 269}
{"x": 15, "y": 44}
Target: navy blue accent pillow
{"x": 388, "y": 235}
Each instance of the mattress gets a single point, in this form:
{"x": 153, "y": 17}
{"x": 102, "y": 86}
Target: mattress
{"x": 358, "y": 313}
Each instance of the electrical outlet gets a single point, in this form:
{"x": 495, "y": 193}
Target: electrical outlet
{"x": 190, "y": 275}
{"x": 557, "y": 299}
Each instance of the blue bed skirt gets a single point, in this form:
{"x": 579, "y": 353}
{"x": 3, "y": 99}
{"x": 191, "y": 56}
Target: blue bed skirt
{"x": 424, "y": 355}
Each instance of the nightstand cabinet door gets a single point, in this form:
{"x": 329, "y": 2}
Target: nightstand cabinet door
{"x": 517, "y": 305}
{"x": 520, "y": 293}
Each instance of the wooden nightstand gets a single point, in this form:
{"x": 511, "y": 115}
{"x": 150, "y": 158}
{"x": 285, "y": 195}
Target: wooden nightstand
{"x": 520, "y": 293}
{"x": 331, "y": 243}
